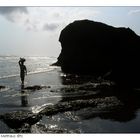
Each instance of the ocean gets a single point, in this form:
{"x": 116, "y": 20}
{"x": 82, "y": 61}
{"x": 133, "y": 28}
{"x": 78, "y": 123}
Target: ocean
{"x": 9, "y": 66}
{"x": 78, "y": 104}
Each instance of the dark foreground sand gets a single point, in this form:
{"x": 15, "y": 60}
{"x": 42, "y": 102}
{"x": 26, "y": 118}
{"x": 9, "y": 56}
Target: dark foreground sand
{"x": 62, "y": 103}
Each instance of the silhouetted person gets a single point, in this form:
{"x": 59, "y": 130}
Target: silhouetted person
{"x": 23, "y": 69}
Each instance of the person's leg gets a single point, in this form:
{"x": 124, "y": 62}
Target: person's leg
{"x": 22, "y": 79}
{"x": 22, "y": 82}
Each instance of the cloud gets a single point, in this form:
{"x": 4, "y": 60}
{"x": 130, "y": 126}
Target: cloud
{"x": 20, "y": 16}
{"x": 13, "y": 13}
{"x": 8, "y": 10}
{"x": 30, "y": 18}
{"x": 132, "y": 12}
{"x": 50, "y": 26}
{"x": 47, "y": 18}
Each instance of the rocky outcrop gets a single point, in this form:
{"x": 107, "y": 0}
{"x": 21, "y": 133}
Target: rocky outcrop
{"x": 19, "y": 118}
{"x": 95, "y": 48}
{"x": 36, "y": 87}
{"x": 2, "y": 87}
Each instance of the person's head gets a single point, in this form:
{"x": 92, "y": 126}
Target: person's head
{"x": 22, "y": 60}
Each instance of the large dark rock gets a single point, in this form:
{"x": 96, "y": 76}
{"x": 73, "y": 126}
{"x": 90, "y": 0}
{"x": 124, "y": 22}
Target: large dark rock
{"x": 95, "y": 48}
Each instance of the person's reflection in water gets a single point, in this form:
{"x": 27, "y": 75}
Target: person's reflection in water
{"x": 24, "y": 100}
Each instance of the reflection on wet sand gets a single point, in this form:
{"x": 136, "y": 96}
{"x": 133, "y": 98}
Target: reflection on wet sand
{"x": 83, "y": 101}
{"x": 123, "y": 104}
{"x": 24, "y": 99}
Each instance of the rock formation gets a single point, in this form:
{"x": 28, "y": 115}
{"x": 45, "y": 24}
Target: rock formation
{"x": 2, "y": 87}
{"x": 95, "y": 48}
{"x": 36, "y": 87}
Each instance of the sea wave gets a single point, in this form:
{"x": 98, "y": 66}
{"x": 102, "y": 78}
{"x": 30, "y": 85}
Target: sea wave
{"x": 35, "y": 64}
{"x": 39, "y": 70}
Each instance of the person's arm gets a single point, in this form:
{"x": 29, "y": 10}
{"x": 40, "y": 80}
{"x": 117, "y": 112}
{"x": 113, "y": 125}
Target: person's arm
{"x": 19, "y": 62}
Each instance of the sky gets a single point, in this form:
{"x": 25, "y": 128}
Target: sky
{"x": 34, "y": 31}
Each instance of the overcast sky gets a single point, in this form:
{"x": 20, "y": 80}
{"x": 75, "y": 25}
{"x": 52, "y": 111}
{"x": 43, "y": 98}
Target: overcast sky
{"x": 34, "y": 31}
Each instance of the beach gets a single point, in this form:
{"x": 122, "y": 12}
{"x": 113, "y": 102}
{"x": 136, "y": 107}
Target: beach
{"x": 69, "y": 103}
{"x": 80, "y": 65}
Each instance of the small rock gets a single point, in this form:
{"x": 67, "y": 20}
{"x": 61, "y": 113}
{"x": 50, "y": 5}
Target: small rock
{"x": 36, "y": 87}
{"x": 2, "y": 87}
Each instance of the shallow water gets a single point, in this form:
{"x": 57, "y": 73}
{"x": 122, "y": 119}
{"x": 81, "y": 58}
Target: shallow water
{"x": 80, "y": 122}
{"x": 11, "y": 98}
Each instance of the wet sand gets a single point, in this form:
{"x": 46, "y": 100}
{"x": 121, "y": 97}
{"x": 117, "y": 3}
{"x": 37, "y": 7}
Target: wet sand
{"x": 67, "y": 104}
